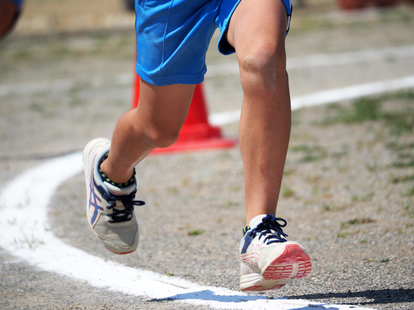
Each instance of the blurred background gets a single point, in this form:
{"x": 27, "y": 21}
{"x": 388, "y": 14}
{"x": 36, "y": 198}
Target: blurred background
{"x": 76, "y": 58}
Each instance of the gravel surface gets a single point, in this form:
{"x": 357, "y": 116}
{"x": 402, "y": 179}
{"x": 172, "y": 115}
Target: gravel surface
{"x": 348, "y": 190}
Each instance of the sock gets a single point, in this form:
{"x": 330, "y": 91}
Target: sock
{"x": 256, "y": 221}
{"x": 105, "y": 178}
{"x": 253, "y": 223}
{"x": 246, "y": 229}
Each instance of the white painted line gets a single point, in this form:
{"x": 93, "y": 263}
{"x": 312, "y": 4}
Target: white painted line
{"x": 23, "y": 215}
{"x": 35, "y": 87}
{"x": 352, "y": 92}
{"x": 327, "y": 96}
{"x": 325, "y": 60}
{"x": 122, "y": 79}
{"x": 223, "y": 118}
{"x": 125, "y": 79}
{"x": 353, "y": 57}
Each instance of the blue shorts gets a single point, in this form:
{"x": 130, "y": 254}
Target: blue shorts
{"x": 173, "y": 37}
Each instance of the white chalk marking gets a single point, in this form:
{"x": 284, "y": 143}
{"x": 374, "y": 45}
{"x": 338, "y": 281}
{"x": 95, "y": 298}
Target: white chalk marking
{"x": 125, "y": 79}
{"x": 325, "y": 60}
{"x": 63, "y": 85}
{"x": 23, "y": 215}
{"x": 327, "y": 96}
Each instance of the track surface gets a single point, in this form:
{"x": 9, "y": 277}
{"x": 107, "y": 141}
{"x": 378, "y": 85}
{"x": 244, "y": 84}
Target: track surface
{"x": 57, "y": 93}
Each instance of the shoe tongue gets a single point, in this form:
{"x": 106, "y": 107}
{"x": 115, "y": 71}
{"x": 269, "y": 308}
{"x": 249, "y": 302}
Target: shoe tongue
{"x": 117, "y": 191}
{"x": 256, "y": 221}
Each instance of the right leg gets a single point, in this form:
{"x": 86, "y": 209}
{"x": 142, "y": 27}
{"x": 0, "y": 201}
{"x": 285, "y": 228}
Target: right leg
{"x": 163, "y": 59}
{"x": 156, "y": 122}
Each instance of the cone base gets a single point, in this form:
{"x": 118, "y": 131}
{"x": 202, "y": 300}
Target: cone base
{"x": 197, "y": 145}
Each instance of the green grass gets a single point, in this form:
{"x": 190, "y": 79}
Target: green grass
{"x": 404, "y": 178}
{"x": 409, "y": 208}
{"x": 362, "y": 110}
{"x": 404, "y": 94}
{"x": 370, "y": 109}
{"x": 288, "y": 192}
{"x": 288, "y": 171}
{"x": 348, "y": 223}
{"x": 403, "y": 164}
{"x": 328, "y": 207}
{"x": 21, "y": 55}
{"x": 405, "y": 153}
{"x": 400, "y": 122}
{"x": 196, "y": 232}
{"x": 230, "y": 204}
{"x": 173, "y": 190}
{"x": 310, "y": 153}
{"x": 384, "y": 260}
{"x": 342, "y": 234}
{"x": 363, "y": 198}
{"x": 58, "y": 49}
{"x": 411, "y": 192}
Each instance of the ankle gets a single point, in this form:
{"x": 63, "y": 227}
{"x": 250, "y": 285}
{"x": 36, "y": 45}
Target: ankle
{"x": 256, "y": 220}
{"x": 113, "y": 177}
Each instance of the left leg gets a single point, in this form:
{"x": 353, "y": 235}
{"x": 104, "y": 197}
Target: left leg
{"x": 257, "y": 31}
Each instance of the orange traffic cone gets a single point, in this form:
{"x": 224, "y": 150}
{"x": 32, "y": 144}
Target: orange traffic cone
{"x": 196, "y": 133}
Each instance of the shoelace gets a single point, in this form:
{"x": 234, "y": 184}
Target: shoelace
{"x": 124, "y": 215}
{"x": 269, "y": 223}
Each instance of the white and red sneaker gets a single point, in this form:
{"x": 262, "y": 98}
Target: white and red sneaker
{"x": 109, "y": 208}
{"x": 268, "y": 260}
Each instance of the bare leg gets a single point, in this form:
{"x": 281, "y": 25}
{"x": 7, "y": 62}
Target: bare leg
{"x": 156, "y": 122}
{"x": 257, "y": 31}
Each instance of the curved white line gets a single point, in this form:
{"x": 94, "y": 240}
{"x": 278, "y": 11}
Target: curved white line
{"x": 24, "y": 216}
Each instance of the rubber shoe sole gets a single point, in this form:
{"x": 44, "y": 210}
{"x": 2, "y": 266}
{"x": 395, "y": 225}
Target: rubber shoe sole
{"x": 292, "y": 264}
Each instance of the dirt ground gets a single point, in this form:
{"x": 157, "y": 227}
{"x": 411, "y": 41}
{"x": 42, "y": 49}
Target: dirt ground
{"x": 348, "y": 192}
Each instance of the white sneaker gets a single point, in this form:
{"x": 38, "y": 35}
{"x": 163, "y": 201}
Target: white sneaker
{"x": 268, "y": 260}
{"x": 109, "y": 209}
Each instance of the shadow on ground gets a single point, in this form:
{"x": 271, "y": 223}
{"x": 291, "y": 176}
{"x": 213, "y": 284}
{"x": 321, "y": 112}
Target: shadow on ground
{"x": 373, "y": 296}
{"x": 210, "y": 295}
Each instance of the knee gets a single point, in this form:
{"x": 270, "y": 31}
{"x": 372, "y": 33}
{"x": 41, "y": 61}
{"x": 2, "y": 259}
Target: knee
{"x": 262, "y": 66}
{"x": 161, "y": 136}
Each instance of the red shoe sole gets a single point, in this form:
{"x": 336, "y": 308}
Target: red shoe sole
{"x": 283, "y": 266}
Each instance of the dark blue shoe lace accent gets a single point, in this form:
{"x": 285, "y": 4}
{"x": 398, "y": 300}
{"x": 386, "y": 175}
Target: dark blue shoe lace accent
{"x": 269, "y": 223}
{"x": 128, "y": 201}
